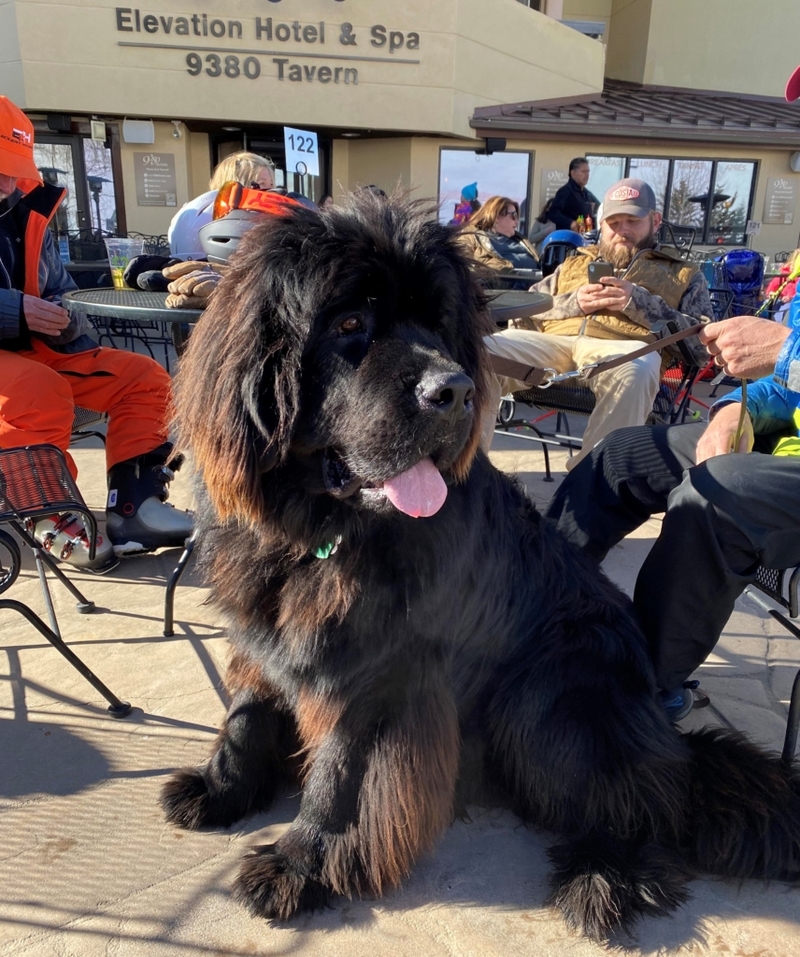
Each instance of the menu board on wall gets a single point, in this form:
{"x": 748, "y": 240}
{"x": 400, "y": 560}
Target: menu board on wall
{"x": 780, "y": 201}
{"x": 552, "y": 181}
{"x": 155, "y": 179}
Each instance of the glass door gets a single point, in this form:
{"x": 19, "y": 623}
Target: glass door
{"x": 84, "y": 168}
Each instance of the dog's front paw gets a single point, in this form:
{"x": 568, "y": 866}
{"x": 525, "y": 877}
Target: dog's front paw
{"x": 189, "y": 802}
{"x": 271, "y": 885}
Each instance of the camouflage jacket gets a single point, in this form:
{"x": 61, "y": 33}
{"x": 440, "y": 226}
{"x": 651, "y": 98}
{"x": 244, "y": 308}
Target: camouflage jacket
{"x": 643, "y": 308}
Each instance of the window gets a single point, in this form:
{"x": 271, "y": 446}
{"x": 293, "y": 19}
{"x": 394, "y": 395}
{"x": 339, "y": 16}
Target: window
{"x": 499, "y": 174}
{"x": 713, "y": 196}
{"x": 93, "y": 206}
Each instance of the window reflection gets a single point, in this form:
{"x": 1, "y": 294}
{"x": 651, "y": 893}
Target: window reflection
{"x": 54, "y": 161}
{"x": 603, "y": 172}
{"x": 732, "y": 185}
{"x": 499, "y": 174}
{"x": 100, "y": 179}
{"x": 714, "y": 197}
{"x": 655, "y": 172}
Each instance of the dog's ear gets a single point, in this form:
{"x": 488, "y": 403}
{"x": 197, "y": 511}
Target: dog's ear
{"x": 237, "y": 390}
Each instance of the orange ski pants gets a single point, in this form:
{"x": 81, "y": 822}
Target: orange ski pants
{"x": 39, "y": 389}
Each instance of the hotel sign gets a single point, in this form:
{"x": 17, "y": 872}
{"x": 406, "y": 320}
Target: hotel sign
{"x": 278, "y": 45}
{"x": 155, "y": 179}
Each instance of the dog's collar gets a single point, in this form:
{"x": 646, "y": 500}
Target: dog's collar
{"x": 328, "y": 549}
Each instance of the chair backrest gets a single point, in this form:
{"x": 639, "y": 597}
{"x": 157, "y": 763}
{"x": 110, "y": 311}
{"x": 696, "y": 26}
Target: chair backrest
{"x": 81, "y": 422}
{"x": 782, "y": 585}
{"x": 680, "y": 238}
{"x": 744, "y": 272}
{"x": 744, "y": 268}
{"x": 34, "y": 482}
{"x": 153, "y": 245}
{"x": 721, "y": 301}
{"x": 553, "y": 255}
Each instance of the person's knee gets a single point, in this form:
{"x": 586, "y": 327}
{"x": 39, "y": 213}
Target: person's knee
{"x": 42, "y": 388}
{"x": 644, "y": 371}
{"x": 725, "y": 480}
{"x": 144, "y": 376}
{"x": 701, "y": 496}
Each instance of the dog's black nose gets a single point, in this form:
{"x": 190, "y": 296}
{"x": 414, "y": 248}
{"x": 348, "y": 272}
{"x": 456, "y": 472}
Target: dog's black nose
{"x": 448, "y": 394}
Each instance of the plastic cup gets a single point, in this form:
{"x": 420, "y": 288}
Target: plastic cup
{"x": 120, "y": 253}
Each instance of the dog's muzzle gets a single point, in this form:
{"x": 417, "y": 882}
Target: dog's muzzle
{"x": 449, "y": 395}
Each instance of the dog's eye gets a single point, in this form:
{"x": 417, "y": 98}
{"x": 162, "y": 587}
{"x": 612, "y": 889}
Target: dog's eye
{"x": 349, "y": 325}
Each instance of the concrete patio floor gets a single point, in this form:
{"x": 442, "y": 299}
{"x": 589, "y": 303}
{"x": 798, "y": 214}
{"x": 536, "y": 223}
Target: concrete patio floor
{"x": 88, "y": 867}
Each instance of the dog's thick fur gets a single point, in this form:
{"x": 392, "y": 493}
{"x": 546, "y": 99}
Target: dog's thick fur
{"x": 342, "y": 350}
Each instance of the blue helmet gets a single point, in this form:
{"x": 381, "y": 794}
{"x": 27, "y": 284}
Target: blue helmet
{"x": 568, "y": 236}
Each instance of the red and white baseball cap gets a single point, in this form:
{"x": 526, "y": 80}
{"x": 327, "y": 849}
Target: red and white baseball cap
{"x": 16, "y": 146}
{"x": 631, "y": 196}
{"x": 793, "y": 87}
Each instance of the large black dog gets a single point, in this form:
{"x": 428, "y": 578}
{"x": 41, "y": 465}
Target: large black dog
{"x": 390, "y": 593}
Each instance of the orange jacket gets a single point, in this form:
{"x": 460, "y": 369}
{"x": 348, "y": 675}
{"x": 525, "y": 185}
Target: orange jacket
{"x": 32, "y": 267}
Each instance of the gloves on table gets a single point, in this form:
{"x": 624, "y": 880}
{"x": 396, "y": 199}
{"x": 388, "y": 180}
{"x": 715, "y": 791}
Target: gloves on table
{"x": 191, "y": 283}
{"x": 139, "y": 273}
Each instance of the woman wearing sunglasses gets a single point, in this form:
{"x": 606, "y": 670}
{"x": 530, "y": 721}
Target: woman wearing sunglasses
{"x": 248, "y": 169}
{"x": 492, "y": 239}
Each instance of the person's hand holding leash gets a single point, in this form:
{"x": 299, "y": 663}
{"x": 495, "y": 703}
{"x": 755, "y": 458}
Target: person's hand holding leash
{"x": 44, "y": 317}
{"x": 745, "y": 346}
{"x": 609, "y": 294}
{"x": 720, "y": 436}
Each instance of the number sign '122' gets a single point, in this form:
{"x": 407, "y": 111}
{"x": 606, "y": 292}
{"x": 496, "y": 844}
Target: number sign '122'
{"x": 302, "y": 155}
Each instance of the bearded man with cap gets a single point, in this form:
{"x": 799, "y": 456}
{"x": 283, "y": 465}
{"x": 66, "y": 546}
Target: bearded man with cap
{"x": 653, "y": 292}
{"x": 49, "y": 364}
{"x": 725, "y": 514}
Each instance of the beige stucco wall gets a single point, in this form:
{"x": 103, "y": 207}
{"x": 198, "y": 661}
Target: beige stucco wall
{"x": 470, "y": 53}
{"x": 199, "y": 163}
{"x": 412, "y": 163}
{"x": 155, "y": 220}
{"x": 11, "y": 84}
{"x": 732, "y": 45}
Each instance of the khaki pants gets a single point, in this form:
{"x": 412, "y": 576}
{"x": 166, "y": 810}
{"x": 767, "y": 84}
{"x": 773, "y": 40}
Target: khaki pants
{"x": 624, "y": 394}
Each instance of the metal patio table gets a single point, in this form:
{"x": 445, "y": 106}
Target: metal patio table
{"x": 132, "y": 305}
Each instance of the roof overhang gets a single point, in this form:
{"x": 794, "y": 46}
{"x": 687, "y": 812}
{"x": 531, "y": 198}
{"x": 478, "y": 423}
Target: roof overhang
{"x": 627, "y": 111}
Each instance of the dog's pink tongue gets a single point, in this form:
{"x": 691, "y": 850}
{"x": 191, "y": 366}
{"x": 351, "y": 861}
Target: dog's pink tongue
{"x": 419, "y": 492}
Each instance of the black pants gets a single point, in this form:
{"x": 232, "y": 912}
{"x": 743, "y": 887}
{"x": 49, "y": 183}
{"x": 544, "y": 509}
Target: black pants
{"x": 723, "y": 519}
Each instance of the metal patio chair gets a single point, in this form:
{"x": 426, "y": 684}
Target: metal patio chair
{"x": 172, "y": 584}
{"x": 782, "y": 587}
{"x": 35, "y": 483}
{"x": 83, "y": 422}
{"x": 670, "y": 405}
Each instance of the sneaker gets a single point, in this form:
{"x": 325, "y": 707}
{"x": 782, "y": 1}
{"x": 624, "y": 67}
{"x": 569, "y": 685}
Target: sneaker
{"x": 154, "y": 525}
{"x": 65, "y": 538}
{"x": 678, "y": 702}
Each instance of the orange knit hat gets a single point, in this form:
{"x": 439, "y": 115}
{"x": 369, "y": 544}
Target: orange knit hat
{"x": 16, "y": 146}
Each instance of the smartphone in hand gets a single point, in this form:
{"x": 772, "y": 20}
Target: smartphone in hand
{"x": 598, "y": 268}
